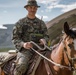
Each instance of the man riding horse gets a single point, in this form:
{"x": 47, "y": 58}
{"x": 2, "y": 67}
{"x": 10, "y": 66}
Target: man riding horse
{"x": 27, "y": 29}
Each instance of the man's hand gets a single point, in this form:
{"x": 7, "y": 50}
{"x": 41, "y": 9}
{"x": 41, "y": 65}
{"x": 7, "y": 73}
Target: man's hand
{"x": 27, "y": 45}
{"x": 42, "y": 41}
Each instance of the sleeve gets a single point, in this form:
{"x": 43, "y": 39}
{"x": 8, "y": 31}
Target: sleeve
{"x": 45, "y": 31}
{"x": 16, "y": 38}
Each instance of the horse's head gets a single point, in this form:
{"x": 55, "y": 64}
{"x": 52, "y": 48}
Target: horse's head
{"x": 69, "y": 40}
{"x": 70, "y": 37}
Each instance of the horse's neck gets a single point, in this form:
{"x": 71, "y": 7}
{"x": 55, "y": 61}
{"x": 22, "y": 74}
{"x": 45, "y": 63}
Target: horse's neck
{"x": 57, "y": 54}
{"x": 60, "y": 49}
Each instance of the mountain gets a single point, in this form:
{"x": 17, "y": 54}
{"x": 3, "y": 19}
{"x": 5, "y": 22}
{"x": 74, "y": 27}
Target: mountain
{"x": 6, "y": 36}
{"x": 55, "y": 26}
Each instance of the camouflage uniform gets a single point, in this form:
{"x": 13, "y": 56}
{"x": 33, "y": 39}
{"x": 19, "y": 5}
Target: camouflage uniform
{"x": 21, "y": 33}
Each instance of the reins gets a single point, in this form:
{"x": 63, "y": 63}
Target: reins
{"x": 46, "y": 47}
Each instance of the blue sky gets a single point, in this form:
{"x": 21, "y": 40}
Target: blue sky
{"x": 12, "y": 10}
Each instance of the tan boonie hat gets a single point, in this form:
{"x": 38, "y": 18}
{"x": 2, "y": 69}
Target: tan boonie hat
{"x": 31, "y": 3}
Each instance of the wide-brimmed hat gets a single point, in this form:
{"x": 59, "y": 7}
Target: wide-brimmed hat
{"x": 31, "y": 3}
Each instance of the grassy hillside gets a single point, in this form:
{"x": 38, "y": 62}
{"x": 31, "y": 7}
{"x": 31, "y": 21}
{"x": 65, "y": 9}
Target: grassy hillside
{"x": 6, "y": 49}
{"x": 6, "y": 37}
{"x": 55, "y": 30}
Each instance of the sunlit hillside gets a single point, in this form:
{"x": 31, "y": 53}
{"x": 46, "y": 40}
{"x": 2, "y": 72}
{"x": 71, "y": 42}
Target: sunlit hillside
{"x": 55, "y": 26}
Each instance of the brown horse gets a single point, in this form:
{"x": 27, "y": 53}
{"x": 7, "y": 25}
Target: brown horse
{"x": 64, "y": 54}
{"x": 62, "y": 59}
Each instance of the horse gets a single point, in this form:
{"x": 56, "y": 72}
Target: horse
{"x": 61, "y": 60}
{"x": 63, "y": 56}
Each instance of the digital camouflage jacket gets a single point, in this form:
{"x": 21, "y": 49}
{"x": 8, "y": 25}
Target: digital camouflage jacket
{"x": 25, "y": 28}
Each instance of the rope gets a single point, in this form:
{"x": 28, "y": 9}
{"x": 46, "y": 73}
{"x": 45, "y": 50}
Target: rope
{"x": 38, "y": 45}
{"x": 45, "y": 46}
{"x": 56, "y": 64}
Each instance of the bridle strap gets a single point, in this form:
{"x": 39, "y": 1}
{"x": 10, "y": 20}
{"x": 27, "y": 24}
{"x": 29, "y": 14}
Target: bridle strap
{"x": 69, "y": 58}
{"x": 70, "y": 64}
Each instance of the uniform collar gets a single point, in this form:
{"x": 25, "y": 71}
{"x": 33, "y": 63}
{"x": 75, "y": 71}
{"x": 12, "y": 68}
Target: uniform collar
{"x": 31, "y": 20}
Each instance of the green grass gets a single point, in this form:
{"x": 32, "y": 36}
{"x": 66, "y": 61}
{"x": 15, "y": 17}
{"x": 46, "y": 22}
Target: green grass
{"x": 5, "y": 49}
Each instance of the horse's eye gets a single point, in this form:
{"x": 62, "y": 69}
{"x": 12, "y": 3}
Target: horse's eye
{"x": 70, "y": 45}
{"x": 73, "y": 43}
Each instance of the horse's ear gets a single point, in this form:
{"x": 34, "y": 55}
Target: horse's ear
{"x": 66, "y": 28}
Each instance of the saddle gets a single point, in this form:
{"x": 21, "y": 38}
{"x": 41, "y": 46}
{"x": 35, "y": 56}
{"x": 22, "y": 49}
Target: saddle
{"x": 6, "y": 60}
{"x": 8, "y": 63}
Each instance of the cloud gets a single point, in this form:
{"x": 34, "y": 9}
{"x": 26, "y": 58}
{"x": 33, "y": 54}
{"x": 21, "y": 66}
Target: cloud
{"x": 48, "y": 1}
{"x": 69, "y": 7}
{"x": 5, "y": 11}
{"x": 57, "y": 6}
{"x": 45, "y": 17}
{"x": 2, "y": 27}
{"x": 42, "y": 11}
{"x": 48, "y": 4}
{"x": 63, "y": 7}
{"x": 39, "y": 16}
{"x": 42, "y": 17}
{"x": 51, "y": 4}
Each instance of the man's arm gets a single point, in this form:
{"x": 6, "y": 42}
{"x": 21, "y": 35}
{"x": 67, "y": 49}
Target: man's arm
{"x": 16, "y": 39}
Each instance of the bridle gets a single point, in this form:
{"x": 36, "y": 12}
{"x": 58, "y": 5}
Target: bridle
{"x": 70, "y": 59}
{"x": 70, "y": 67}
